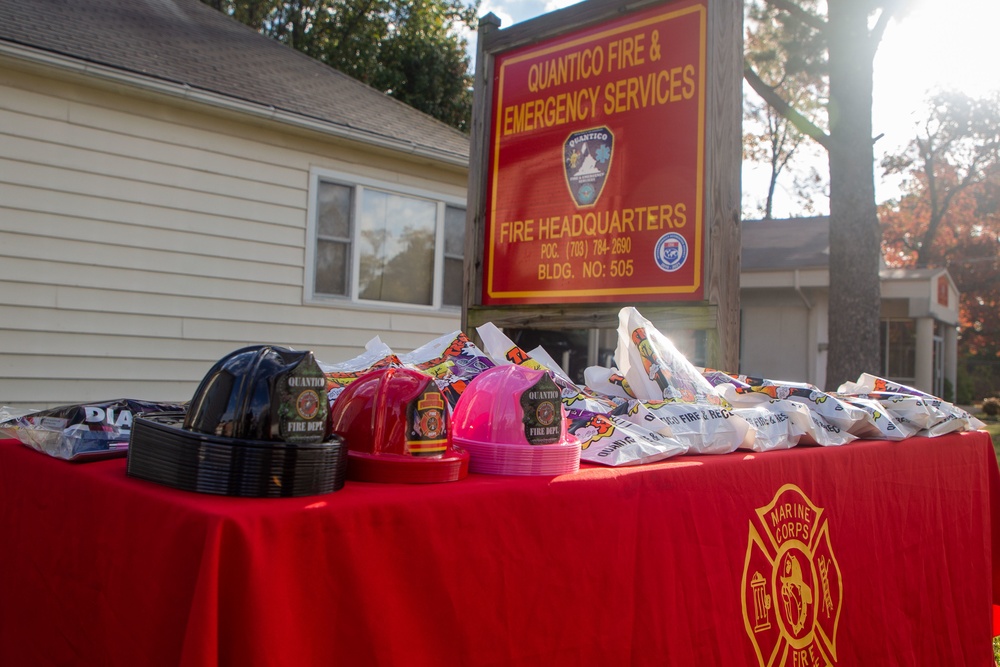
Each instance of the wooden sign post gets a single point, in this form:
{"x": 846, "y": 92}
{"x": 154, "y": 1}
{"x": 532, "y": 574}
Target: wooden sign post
{"x": 605, "y": 170}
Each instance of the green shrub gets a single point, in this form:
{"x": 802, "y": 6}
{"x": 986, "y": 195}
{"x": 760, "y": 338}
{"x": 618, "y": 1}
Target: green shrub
{"x": 964, "y": 391}
{"x": 991, "y": 406}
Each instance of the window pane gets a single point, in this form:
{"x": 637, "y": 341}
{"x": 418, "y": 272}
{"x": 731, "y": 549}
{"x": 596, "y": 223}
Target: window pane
{"x": 454, "y": 231}
{"x": 396, "y": 246}
{"x": 452, "y": 289}
{"x": 331, "y": 267}
{"x": 333, "y": 211}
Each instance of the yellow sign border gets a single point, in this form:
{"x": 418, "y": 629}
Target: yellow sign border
{"x": 700, "y": 167}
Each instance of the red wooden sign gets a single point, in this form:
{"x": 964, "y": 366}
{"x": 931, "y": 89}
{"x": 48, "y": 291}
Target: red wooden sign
{"x": 596, "y": 164}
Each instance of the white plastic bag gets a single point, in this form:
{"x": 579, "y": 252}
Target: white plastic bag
{"x": 614, "y": 441}
{"x": 702, "y": 427}
{"x": 930, "y": 415}
{"x": 607, "y": 381}
{"x": 880, "y": 425}
{"x": 745, "y": 391}
{"x": 772, "y": 430}
{"x": 652, "y": 365}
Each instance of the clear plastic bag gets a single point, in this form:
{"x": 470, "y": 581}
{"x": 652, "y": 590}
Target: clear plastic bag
{"x": 83, "y": 432}
{"x": 653, "y": 367}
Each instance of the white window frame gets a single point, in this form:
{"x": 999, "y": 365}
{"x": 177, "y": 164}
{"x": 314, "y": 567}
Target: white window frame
{"x": 358, "y": 184}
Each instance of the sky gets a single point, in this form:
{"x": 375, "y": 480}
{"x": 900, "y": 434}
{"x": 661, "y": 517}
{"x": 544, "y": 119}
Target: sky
{"x": 951, "y": 44}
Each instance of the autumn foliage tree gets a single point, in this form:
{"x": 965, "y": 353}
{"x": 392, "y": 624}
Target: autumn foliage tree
{"x": 949, "y": 216}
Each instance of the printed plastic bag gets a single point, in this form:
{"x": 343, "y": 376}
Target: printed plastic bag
{"x": 83, "y": 432}
{"x": 652, "y": 365}
{"x": 503, "y": 350}
{"x": 376, "y": 355}
{"x": 880, "y": 425}
{"x": 772, "y": 430}
{"x": 868, "y": 383}
{"x": 702, "y": 427}
{"x": 929, "y": 415}
{"x": 540, "y": 355}
{"x": 745, "y": 391}
{"x": 608, "y": 381}
{"x": 614, "y": 441}
{"x": 816, "y": 429}
{"x": 453, "y": 360}
{"x": 925, "y": 416}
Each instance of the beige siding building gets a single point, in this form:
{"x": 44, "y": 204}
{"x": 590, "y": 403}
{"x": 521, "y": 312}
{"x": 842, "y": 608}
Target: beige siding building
{"x": 784, "y": 300}
{"x": 174, "y": 186}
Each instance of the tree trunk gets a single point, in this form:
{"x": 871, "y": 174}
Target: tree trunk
{"x": 855, "y": 292}
{"x": 771, "y": 187}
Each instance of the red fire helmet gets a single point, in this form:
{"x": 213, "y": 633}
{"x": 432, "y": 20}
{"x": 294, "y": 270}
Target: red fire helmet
{"x": 396, "y": 426}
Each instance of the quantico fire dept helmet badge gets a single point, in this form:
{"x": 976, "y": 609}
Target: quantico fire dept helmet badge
{"x": 792, "y": 587}
{"x": 586, "y": 164}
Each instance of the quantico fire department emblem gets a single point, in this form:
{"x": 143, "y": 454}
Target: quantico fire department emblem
{"x": 792, "y": 587}
{"x": 586, "y": 163}
{"x": 427, "y": 433}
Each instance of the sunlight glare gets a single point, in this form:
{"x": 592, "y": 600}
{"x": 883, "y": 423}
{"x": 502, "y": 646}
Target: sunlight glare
{"x": 937, "y": 45}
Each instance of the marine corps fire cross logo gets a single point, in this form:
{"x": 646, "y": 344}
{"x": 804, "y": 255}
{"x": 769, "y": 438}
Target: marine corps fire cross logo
{"x": 792, "y": 588}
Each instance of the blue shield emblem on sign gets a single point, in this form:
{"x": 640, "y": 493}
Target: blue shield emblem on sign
{"x": 586, "y": 163}
{"x": 671, "y": 251}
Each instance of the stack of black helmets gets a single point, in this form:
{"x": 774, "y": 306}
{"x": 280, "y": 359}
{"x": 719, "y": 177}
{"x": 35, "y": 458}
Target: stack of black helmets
{"x": 257, "y": 426}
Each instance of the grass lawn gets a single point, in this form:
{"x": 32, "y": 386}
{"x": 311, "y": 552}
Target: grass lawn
{"x": 993, "y": 426}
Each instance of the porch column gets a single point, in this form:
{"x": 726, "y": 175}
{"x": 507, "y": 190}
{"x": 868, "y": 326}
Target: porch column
{"x": 924, "y": 362}
{"x": 951, "y": 358}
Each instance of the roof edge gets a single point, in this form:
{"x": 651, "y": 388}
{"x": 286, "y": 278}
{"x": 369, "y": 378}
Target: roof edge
{"x": 184, "y": 91}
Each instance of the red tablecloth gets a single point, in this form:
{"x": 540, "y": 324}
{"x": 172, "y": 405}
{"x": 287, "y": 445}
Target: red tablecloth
{"x": 875, "y": 553}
